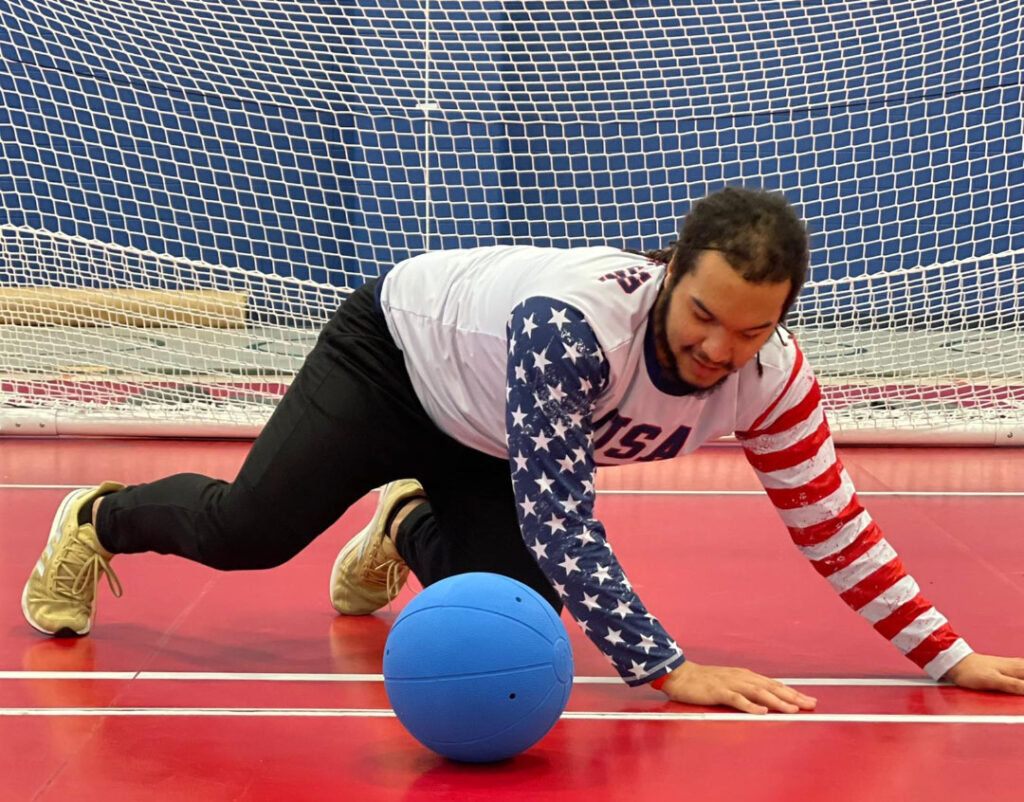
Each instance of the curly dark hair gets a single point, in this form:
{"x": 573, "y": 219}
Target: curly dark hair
{"x": 758, "y": 233}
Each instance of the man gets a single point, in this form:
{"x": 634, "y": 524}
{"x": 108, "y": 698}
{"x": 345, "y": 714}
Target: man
{"x": 500, "y": 378}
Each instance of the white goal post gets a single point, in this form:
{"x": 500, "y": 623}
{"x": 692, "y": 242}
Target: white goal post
{"x": 189, "y": 188}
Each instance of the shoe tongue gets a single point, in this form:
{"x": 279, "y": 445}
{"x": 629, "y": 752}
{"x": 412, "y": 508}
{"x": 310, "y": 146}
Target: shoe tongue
{"x": 87, "y": 535}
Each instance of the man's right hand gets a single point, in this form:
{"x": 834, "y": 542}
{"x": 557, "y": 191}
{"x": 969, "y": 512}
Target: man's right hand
{"x": 694, "y": 684}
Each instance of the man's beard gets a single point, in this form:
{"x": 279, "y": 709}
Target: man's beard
{"x": 664, "y": 351}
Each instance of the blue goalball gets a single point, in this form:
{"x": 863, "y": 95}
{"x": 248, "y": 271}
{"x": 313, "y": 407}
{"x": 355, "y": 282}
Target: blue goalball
{"x": 478, "y": 667}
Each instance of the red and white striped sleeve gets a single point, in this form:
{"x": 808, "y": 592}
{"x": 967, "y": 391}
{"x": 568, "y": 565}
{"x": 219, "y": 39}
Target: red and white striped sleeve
{"x": 792, "y": 452}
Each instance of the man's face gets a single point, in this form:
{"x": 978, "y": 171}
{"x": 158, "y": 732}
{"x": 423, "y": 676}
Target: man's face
{"x": 714, "y": 321}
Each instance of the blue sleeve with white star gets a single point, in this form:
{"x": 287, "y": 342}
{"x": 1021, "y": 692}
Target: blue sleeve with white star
{"x": 556, "y": 371}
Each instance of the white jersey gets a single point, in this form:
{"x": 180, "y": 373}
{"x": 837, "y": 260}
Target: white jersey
{"x": 546, "y": 357}
{"x": 448, "y": 312}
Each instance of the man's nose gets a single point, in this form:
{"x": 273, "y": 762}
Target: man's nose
{"x": 718, "y": 349}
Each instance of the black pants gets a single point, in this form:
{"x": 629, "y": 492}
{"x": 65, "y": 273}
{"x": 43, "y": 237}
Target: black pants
{"x": 350, "y": 422}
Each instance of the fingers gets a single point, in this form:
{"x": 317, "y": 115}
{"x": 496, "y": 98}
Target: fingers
{"x": 738, "y": 688}
{"x": 771, "y": 701}
{"x": 763, "y": 695}
{"x": 1013, "y": 667}
{"x": 989, "y": 673}
{"x": 783, "y": 699}
{"x": 744, "y": 705}
{"x": 1008, "y": 684}
{"x": 793, "y": 696}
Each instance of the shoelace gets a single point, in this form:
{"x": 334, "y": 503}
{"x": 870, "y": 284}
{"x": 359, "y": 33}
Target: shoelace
{"x": 82, "y": 569}
{"x": 394, "y": 578}
{"x": 389, "y": 575}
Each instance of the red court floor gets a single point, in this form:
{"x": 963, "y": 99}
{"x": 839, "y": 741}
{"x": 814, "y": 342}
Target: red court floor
{"x": 201, "y": 685}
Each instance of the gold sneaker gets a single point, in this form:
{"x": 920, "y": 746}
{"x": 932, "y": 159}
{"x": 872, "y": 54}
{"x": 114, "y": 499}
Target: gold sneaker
{"x": 369, "y": 573}
{"x": 60, "y": 595}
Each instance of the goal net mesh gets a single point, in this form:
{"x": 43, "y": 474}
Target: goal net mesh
{"x": 190, "y": 188}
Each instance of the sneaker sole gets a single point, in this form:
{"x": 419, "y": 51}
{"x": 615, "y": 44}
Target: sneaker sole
{"x": 63, "y": 632}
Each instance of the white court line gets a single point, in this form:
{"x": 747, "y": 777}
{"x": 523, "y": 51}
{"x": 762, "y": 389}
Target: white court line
{"x": 237, "y": 712}
{"x": 223, "y": 676}
{"x": 611, "y": 492}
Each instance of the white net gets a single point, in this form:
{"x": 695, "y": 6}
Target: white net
{"x": 189, "y": 188}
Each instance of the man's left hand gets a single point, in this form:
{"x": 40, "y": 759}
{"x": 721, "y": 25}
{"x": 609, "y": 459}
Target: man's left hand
{"x": 984, "y": 672}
